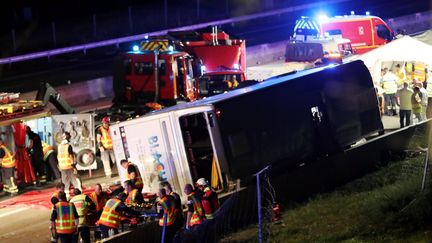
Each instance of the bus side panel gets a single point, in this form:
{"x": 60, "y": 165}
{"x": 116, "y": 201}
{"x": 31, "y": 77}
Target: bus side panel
{"x": 144, "y": 142}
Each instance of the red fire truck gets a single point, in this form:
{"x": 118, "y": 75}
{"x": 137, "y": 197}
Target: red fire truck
{"x": 191, "y": 65}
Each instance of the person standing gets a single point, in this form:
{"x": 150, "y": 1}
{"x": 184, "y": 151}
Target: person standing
{"x": 133, "y": 174}
{"x": 167, "y": 215}
{"x": 404, "y": 96}
{"x": 83, "y": 205}
{"x": 209, "y": 198}
{"x": 429, "y": 95}
{"x": 195, "y": 210}
{"x": 50, "y": 159}
{"x": 8, "y": 163}
{"x": 34, "y": 147}
{"x": 65, "y": 157}
{"x": 64, "y": 220}
{"x": 99, "y": 198}
{"x": 104, "y": 143}
{"x": 423, "y": 91}
{"x": 177, "y": 200}
{"x": 389, "y": 85}
{"x": 416, "y": 101}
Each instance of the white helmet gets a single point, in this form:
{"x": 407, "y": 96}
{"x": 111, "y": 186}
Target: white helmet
{"x": 202, "y": 182}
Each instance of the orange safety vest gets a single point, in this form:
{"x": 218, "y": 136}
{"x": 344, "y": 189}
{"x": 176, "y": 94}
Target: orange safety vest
{"x": 106, "y": 138}
{"x": 81, "y": 206}
{"x": 64, "y": 158}
{"x": 99, "y": 204}
{"x": 198, "y": 213}
{"x": 138, "y": 180}
{"x": 210, "y": 202}
{"x": 47, "y": 150}
{"x": 65, "y": 222}
{"x": 131, "y": 197}
{"x": 168, "y": 205}
{"x": 110, "y": 217}
{"x": 8, "y": 160}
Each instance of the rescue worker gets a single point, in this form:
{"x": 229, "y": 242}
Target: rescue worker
{"x": 112, "y": 213}
{"x": 177, "y": 199}
{"x": 104, "y": 143}
{"x": 34, "y": 147}
{"x": 64, "y": 220}
{"x": 405, "y": 110}
{"x": 134, "y": 196}
{"x": 166, "y": 209}
{"x": 388, "y": 82}
{"x": 133, "y": 174}
{"x": 416, "y": 101}
{"x": 8, "y": 163}
{"x": 400, "y": 74}
{"x": 83, "y": 205}
{"x": 195, "y": 210}
{"x": 209, "y": 198}
{"x": 50, "y": 159}
{"x": 429, "y": 95}
{"x": 99, "y": 198}
{"x": 60, "y": 187}
{"x": 65, "y": 157}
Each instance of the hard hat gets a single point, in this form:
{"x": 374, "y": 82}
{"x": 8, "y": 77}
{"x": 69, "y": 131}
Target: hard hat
{"x": 105, "y": 120}
{"x": 202, "y": 182}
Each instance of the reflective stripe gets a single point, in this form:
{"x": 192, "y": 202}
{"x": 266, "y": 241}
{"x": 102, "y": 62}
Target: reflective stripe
{"x": 130, "y": 200}
{"x": 47, "y": 150}
{"x": 106, "y": 138}
{"x": 168, "y": 205}
{"x": 64, "y": 158}
{"x": 81, "y": 207}
{"x": 65, "y": 222}
{"x": 99, "y": 204}
{"x": 197, "y": 215}
{"x": 110, "y": 217}
{"x": 8, "y": 160}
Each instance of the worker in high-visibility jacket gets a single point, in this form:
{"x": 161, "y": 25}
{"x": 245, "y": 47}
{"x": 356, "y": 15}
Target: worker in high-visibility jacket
{"x": 7, "y": 163}
{"x": 104, "y": 143}
{"x": 166, "y": 210}
{"x": 209, "y": 198}
{"x": 83, "y": 205}
{"x": 112, "y": 213}
{"x": 134, "y": 196}
{"x": 66, "y": 160}
{"x": 389, "y": 84}
{"x": 195, "y": 214}
{"x": 133, "y": 174}
{"x": 50, "y": 158}
{"x": 99, "y": 198}
{"x": 64, "y": 219}
{"x": 177, "y": 199}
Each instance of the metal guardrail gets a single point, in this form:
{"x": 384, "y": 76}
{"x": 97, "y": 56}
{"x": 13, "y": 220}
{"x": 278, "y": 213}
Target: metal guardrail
{"x": 118, "y": 41}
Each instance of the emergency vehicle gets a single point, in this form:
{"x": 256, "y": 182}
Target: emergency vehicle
{"x": 190, "y": 66}
{"x": 228, "y": 137}
{"x": 365, "y": 32}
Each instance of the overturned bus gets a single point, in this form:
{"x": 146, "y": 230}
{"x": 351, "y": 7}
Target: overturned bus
{"x": 285, "y": 121}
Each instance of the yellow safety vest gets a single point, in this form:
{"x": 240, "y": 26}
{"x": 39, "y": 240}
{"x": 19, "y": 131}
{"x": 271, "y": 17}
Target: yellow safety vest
{"x": 429, "y": 89}
{"x": 47, "y": 150}
{"x": 8, "y": 160}
{"x": 138, "y": 180}
{"x": 64, "y": 158}
{"x": 106, "y": 138}
{"x": 168, "y": 205}
{"x": 81, "y": 208}
{"x": 110, "y": 217}
{"x": 65, "y": 222}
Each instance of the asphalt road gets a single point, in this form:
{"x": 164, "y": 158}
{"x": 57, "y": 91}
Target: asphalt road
{"x": 24, "y": 225}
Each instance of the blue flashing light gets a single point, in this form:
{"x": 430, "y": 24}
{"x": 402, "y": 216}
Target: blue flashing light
{"x": 236, "y": 66}
{"x": 367, "y": 13}
{"x": 352, "y": 12}
{"x": 135, "y": 48}
{"x": 170, "y": 48}
{"x": 322, "y": 17}
{"x": 146, "y": 37}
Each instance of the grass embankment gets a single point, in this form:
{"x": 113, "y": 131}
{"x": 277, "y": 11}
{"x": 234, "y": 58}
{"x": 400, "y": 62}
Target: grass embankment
{"x": 384, "y": 206}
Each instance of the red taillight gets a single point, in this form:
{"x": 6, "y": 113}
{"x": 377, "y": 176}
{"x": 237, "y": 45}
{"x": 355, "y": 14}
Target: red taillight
{"x": 218, "y": 113}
